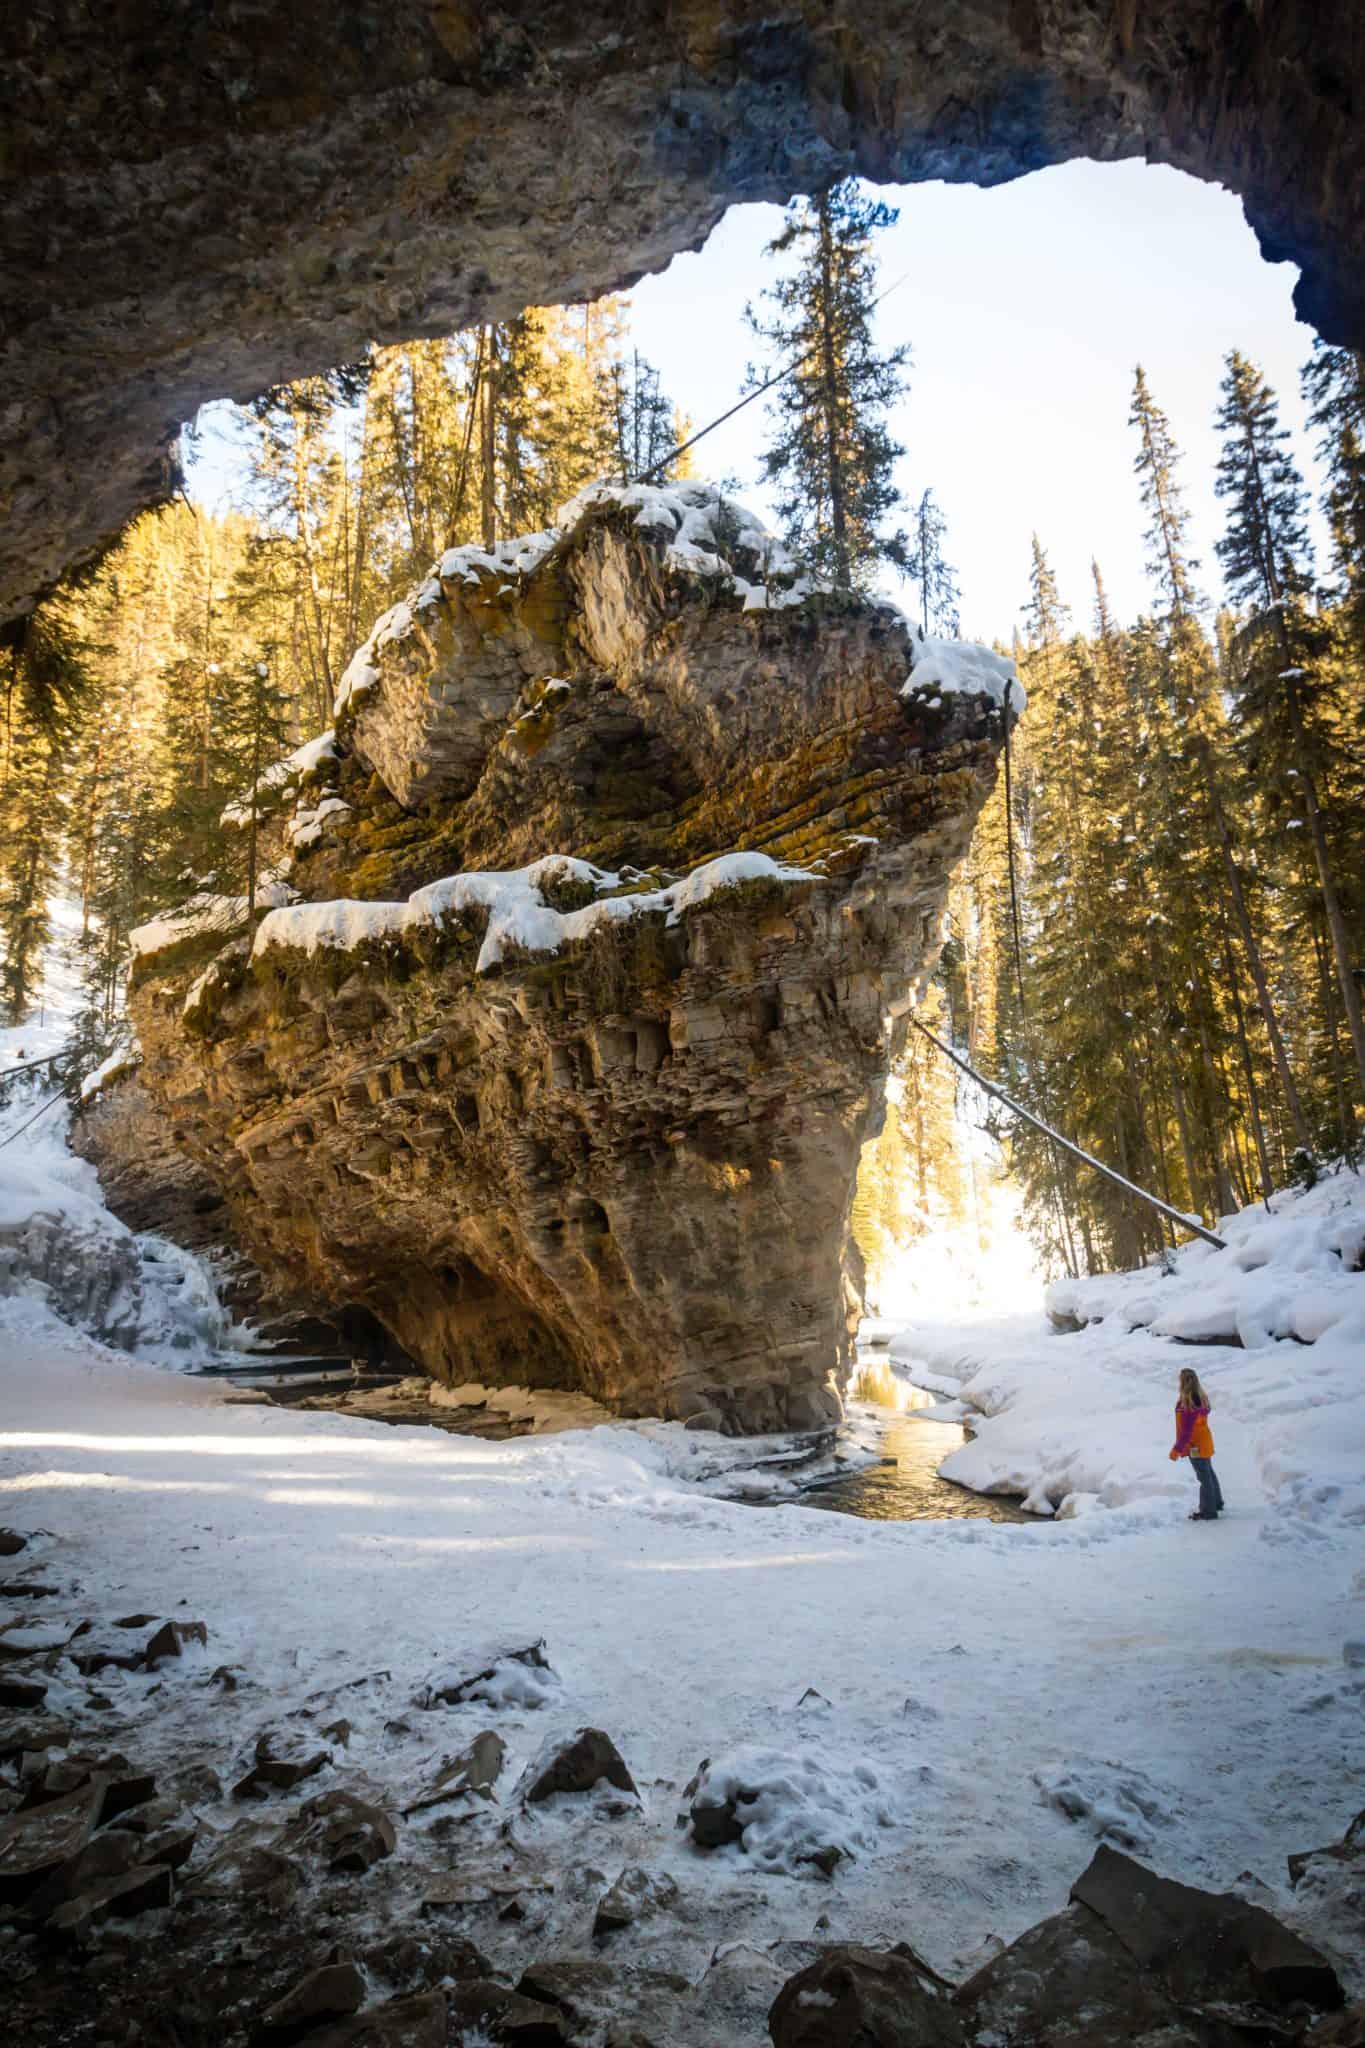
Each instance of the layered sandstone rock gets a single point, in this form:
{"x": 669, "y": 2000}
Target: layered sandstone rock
{"x": 615, "y": 881}
{"x": 198, "y": 202}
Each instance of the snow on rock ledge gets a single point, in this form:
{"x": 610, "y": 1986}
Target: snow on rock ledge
{"x": 943, "y": 668}
{"x": 123, "y": 1060}
{"x": 516, "y": 910}
{"x": 203, "y": 916}
{"x": 549, "y": 1115}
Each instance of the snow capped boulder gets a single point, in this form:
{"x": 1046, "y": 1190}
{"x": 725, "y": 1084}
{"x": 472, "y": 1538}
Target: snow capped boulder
{"x": 1116, "y": 1803}
{"x": 638, "y": 1894}
{"x": 797, "y": 1814}
{"x": 500, "y": 1677}
{"x": 1137, "y": 1957}
{"x": 606, "y": 903}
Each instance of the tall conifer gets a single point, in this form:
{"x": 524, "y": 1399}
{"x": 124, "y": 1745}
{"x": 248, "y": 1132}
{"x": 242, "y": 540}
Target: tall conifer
{"x": 1284, "y": 680}
{"x": 832, "y": 456}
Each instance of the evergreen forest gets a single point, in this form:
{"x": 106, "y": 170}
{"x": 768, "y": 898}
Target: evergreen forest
{"x": 1156, "y": 943}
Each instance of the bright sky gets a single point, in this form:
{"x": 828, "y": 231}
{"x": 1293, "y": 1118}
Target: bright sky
{"x": 1027, "y": 308}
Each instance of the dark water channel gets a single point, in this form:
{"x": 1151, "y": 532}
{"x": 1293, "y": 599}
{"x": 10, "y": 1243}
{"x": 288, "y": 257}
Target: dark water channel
{"x": 905, "y": 1486}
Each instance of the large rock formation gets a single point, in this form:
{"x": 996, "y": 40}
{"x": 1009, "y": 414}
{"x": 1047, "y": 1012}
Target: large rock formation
{"x": 551, "y": 1079}
{"x": 201, "y": 201}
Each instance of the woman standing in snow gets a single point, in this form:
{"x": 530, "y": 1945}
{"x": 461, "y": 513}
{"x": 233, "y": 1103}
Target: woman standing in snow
{"x": 1194, "y": 1440}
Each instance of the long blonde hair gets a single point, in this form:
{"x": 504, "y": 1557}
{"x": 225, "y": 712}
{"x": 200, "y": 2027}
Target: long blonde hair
{"x": 1192, "y": 1394}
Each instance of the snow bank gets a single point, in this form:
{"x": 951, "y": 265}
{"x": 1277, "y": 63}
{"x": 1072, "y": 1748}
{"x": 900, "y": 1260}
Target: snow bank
{"x": 1290, "y": 1271}
{"x": 796, "y": 1809}
{"x": 946, "y": 668}
{"x": 122, "y": 1060}
{"x": 1274, "y": 1325}
{"x": 515, "y": 902}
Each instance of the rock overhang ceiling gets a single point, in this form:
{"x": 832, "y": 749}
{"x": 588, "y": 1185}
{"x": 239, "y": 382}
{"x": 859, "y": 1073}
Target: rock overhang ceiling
{"x": 198, "y": 203}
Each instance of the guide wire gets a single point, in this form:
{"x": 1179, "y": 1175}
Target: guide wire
{"x": 32, "y": 1119}
{"x": 29, "y": 1065}
{"x": 665, "y": 462}
{"x": 1087, "y": 1158}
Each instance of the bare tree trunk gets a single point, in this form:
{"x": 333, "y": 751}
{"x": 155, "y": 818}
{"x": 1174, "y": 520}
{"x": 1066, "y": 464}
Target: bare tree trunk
{"x": 90, "y": 825}
{"x": 206, "y": 665}
{"x": 303, "y": 514}
{"x": 1345, "y": 1115}
{"x": 1331, "y": 901}
{"x": 489, "y": 446}
{"x": 1253, "y": 1098}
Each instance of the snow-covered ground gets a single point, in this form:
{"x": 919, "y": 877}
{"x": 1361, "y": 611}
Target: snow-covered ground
{"x": 986, "y": 1700}
{"x": 1274, "y": 1326}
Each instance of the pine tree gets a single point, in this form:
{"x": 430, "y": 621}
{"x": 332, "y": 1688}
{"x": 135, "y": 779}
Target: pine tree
{"x": 253, "y": 728}
{"x": 1192, "y": 692}
{"x": 1334, "y": 386}
{"x": 299, "y": 485}
{"x": 45, "y": 675}
{"x": 1284, "y": 681}
{"x": 832, "y": 457}
{"x": 940, "y": 597}
{"x": 648, "y": 427}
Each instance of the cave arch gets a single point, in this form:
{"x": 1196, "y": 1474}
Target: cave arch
{"x": 200, "y": 202}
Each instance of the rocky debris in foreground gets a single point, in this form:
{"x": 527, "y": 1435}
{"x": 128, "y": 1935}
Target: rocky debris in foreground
{"x": 470, "y": 1774}
{"x": 861, "y": 1996}
{"x": 1329, "y": 1888}
{"x": 636, "y": 1895}
{"x": 332, "y": 1992}
{"x": 1141, "y": 1955}
{"x": 320, "y": 1918}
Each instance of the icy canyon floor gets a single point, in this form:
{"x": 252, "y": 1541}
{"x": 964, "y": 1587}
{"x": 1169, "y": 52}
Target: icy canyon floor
{"x": 963, "y": 1709}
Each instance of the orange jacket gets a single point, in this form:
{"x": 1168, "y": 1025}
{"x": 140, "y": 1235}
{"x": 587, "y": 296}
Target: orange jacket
{"x": 1193, "y": 1437}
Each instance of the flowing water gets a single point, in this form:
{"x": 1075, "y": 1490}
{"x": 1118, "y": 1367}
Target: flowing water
{"x": 905, "y": 1486}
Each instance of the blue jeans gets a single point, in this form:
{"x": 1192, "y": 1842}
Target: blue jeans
{"x": 1210, "y": 1492}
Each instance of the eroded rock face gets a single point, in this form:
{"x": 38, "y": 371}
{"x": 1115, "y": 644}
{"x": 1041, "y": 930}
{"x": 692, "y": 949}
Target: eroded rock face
{"x": 196, "y": 205}
{"x": 591, "y": 1121}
